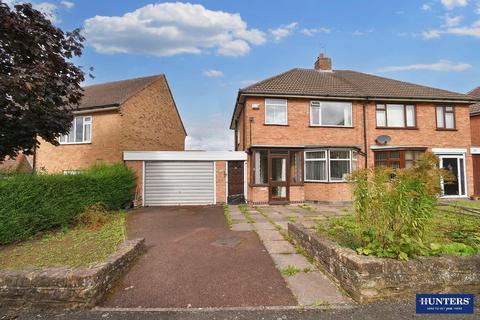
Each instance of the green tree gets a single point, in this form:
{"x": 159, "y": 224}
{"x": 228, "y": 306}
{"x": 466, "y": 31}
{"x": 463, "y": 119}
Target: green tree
{"x": 39, "y": 84}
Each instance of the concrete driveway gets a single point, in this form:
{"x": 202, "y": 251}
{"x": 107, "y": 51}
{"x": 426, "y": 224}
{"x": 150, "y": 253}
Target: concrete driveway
{"x": 194, "y": 260}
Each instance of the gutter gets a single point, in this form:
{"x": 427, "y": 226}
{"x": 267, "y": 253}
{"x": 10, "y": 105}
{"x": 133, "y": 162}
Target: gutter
{"x": 99, "y": 109}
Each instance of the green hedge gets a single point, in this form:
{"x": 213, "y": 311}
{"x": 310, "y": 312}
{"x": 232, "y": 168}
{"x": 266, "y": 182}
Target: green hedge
{"x": 33, "y": 203}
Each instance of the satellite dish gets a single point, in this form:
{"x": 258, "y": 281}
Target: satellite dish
{"x": 383, "y": 140}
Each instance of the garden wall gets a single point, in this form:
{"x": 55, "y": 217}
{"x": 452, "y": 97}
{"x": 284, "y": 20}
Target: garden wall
{"x": 67, "y": 288}
{"x": 368, "y": 278}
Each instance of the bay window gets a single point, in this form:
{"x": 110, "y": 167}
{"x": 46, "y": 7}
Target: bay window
{"x": 80, "y": 131}
{"x": 336, "y": 114}
{"x": 260, "y": 169}
{"x": 445, "y": 117}
{"x": 395, "y": 116}
{"x": 276, "y": 111}
{"x": 329, "y": 165}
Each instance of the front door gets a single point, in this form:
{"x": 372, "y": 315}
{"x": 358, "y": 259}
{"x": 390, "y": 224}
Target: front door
{"x": 456, "y": 165}
{"x": 278, "y": 180}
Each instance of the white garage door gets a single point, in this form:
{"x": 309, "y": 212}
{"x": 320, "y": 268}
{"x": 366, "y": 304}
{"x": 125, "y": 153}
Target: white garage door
{"x": 179, "y": 183}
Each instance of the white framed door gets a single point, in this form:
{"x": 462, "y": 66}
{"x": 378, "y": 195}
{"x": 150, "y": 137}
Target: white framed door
{"x": 455, "y": 163}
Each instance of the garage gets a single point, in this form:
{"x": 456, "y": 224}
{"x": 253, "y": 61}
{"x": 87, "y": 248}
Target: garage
{"x": 179, "y": 182}
{"x": 166, "y": 178}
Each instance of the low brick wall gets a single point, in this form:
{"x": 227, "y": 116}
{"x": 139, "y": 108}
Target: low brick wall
{"x": 67, "y": 288}
{"x": 368, "y": 278}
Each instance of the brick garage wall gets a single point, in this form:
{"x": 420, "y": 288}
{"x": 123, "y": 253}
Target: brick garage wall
{"x": 220, "y": 179}
{"x": 327, "y": 191}
{"x": 368, "y": 279}
{"x": 105, "y": 147}
{"x": 137, "y": 167}
{"x": 150, "y": 121}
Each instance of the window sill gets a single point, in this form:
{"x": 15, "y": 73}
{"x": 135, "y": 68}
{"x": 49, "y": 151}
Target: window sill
{"x": 396, "y": 128}
{"x": 327, "y": 182}
{"x": 258, "y": 185}
{"x": 73, "y": 143}
{"x": 276, "y": 124}
{"x": 446, "y": 129}
{"x": 338, "y": 127}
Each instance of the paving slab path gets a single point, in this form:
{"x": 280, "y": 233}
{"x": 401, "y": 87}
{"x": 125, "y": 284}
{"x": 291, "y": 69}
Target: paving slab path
{"x": 194, "y": 260}
{"x": 310, "y": 286}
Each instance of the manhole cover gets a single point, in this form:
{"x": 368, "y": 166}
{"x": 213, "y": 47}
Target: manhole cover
{"x": 229, "y": 241}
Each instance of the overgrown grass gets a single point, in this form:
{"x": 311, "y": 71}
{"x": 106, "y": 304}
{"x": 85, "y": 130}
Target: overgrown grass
{"x": 227, "y": 215}
{"x": 245, "y": 212}
{"x": 467, "y": 203}
{"x": 92, "y": 240}
{"x": 289, "y": 271}
{"x": 446, "y": 233}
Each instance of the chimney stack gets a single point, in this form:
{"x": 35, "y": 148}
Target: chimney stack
{"x": 323, "y": 63}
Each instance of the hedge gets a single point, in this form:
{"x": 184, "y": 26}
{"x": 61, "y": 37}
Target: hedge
{"x": 33, "y": 203}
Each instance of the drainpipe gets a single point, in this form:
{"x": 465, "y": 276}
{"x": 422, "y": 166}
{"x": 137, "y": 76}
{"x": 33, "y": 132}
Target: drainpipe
{"x": 365, "y": 142}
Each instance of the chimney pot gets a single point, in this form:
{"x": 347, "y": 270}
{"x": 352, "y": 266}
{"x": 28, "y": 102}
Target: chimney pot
{"x": 323, "y": 63}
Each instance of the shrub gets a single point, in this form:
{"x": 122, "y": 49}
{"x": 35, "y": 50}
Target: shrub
{"x": 393, "y": 207}
{"x": 34, "y": 203}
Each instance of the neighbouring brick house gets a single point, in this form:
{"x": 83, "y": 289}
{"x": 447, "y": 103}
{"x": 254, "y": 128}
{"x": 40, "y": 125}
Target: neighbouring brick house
{"x": 134, "y": 115}
{"x": 21, "y": 163}
{"x": 475, "y": 124}
{"x": 305, "y": 129}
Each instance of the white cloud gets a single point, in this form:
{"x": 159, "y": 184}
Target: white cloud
{"x": 210, "y": 133}
{"x": 472, "y": 31}
{"x": 362, "y": 33}
{"x": 442, "y": 65}
{"x": 313, "y": 31}
{"x": 167, "y": 29}
{"x": 283, "y": 31}
{"x": 67, "y": 4}
{"x": 426, "y": 7}
{"x": 477, "y": 9}
{"x": 48, "y": 9}
{"x": 452, "y": 21}
{"x": 450, "y": 4}
{"x": 212, "y": 73}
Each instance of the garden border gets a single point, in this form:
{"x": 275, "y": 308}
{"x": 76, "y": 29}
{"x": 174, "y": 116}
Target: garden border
{"x": 65, "y": 287}
{"x": 368, "y": 278}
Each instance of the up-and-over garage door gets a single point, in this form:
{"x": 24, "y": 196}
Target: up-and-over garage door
{"x": 179, "y": 183}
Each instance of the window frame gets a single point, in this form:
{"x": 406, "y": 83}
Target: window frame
{"x": 272, "y": 152}
{"x": 385, "y": 110}
{"x": 329, "y": 125}
{"x": 402, "y": 160}
{"x": 253, "y": 168}
{"x": 275, "y": 104}
{"x": 444, "y": 111}
{"x": 74, "y": 127}
{"x": 328, "y": 160}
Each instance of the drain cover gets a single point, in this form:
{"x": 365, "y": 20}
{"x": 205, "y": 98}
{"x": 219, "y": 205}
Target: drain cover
{"x": 229, "y": 241}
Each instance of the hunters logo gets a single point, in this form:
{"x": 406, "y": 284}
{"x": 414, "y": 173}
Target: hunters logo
{"x": 445, "y": 303}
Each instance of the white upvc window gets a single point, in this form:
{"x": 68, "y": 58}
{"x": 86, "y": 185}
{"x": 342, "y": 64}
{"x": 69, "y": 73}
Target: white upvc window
{"x": 276, "y": 111}
{"x": 331, "y": 114}
{"x": 329, "y": 165}
{"x": 80, "y": 131}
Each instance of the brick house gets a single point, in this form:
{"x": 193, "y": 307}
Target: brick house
{"x": 136, "y": 114}
{"x": 305, "y": 129}
{"x": 475, "y": 125}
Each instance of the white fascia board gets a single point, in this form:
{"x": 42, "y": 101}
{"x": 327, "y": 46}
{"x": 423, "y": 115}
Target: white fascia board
{"x": 475, "y": 150}
{"x": 449, "y": 150}
{"x": 184, "y": 155}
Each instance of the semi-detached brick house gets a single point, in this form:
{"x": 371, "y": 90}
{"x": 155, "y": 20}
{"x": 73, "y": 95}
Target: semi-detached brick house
{"x": 306, "y": 129}
{"x": 475, "y": 124}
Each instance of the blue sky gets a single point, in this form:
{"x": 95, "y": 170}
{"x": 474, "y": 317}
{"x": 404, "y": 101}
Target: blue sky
{"x": 209, "y": 49}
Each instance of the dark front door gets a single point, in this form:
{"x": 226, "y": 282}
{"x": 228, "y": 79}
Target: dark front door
{"x": 278, "y": 180}
{"x": 235, "y": 182}
{"x": 476, "y": 173}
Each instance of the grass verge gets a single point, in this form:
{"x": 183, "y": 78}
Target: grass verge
{"x": 83, "y": 244}
{"x": 228, "y": 217}
{"x": 245, "y": 212}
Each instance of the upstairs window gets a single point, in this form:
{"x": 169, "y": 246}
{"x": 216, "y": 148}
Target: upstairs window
{"x": 276, "y": 111}
{"x": 336, "y": 114}
{"x": 445, "y": 117}
{"x": 395, "y": 116}
{"x": 80, "y": 131}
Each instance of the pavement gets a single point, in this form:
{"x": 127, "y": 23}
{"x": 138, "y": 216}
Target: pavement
{"x": 310, "y": 285}
{"x": 397, "y": 310}
{"x": 194, "y": 260}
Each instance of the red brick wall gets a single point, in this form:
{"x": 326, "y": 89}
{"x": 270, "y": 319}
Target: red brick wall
{"x": 299, "y": 132}
{"x": 220, "y": 177}
{"x": 475, "y": 130}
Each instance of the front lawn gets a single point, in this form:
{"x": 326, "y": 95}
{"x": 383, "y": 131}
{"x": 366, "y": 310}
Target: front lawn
{"x": 447, "y": 233}
{"x": 92, "y": 240}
